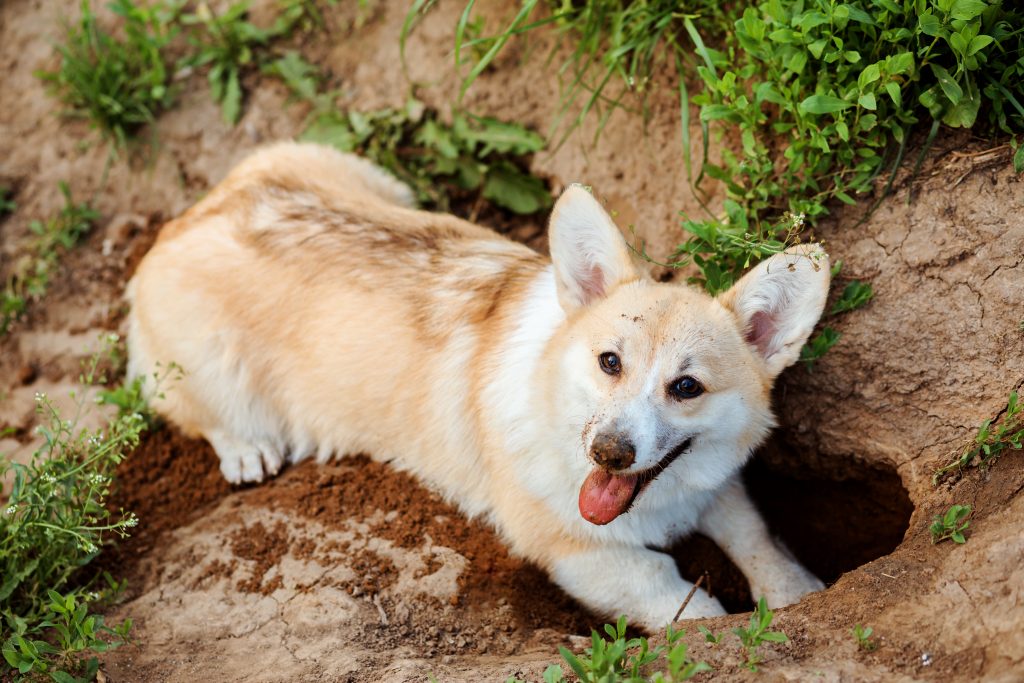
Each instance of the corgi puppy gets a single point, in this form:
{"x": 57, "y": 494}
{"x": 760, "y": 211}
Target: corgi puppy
{"x": 586, "y": 411}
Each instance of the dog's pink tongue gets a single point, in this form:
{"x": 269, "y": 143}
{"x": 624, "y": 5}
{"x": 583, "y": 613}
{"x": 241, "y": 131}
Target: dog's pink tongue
{"x": 604, "y": 496}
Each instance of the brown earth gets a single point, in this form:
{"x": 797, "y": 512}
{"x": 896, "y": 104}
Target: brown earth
{"x": 351, "y": 571}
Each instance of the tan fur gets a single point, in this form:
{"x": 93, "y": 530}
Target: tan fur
{"x": 313, "y": 311}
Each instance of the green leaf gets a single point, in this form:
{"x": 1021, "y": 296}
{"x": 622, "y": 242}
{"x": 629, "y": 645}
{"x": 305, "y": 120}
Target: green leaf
{"x": 978, "y": 43}
{"x": 509, "y": 187}
{"x": 1018, "y": 160}
{"x": 553, "y": 674}
{"x": 965, "y": 112}
{"x": 867, "y": 100}
{"x": 573, "y": 663}
{"x": 948, "y": 84}
{"x": 929, "y": 24}
{"x": 870, "y": 74}
{"x": 965, "y": 10}
{"x": 63, "y": 677}
{"x": 823, "y": 104}
{"x": 331, "y": 129}
{"x": 232, "y": 103}
{"x": 894, "y": 94}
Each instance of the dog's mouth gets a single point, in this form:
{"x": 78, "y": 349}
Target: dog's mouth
{"x": 606, "y": 495}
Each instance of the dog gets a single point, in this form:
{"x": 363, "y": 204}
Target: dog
{"x": 586, "y": 411}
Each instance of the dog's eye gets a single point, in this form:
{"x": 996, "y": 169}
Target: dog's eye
{"x": 610, "y": 363}
{"x": 685, "y": 387}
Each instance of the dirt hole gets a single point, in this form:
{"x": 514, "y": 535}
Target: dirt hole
{"x": 832, "y": 522}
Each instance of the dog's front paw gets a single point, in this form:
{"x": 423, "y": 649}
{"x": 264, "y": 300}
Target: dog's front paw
{"x": 788, "y": 587}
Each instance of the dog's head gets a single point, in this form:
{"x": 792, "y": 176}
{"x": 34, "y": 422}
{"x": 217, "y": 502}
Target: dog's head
{"x": 660, "y": 381}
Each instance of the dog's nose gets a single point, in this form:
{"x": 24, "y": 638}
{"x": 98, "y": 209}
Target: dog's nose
{"x": 612, "y": 451}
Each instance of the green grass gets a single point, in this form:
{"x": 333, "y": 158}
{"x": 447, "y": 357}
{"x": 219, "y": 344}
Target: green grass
{"x": 227, "y": 43}
{"x": 862, "y": 634}
{"x": 991, "y": 441}
{"x": 118, "y": 84}
{"x": 32, "y": 273}
{"x": 951, "y": 525}
{"x": 473, "y": 156}
{"x": 614, "y": 658}
{"x": 618, "y": 659}
{"x": 757, "y": 635}
{"x": 822, "y": 97}
{"x": 121, "y": 80}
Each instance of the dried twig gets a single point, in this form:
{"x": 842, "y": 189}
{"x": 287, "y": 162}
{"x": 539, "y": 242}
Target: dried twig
{"x": 689, "y": 596}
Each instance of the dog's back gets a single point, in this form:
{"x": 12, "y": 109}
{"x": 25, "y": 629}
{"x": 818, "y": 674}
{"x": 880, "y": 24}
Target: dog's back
{"x": 304, "y": 287}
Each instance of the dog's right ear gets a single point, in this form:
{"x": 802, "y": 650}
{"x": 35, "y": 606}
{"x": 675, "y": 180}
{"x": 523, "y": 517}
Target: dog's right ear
{"x": 590, "y": 255}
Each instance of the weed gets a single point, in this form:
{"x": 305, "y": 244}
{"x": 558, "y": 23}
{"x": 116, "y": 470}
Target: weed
{"x": 862, "y": 634}
{"x": 710, "y": 637}
{"x": 304, "y": 15}
{"x": 757, "y": 634}
{"x": 855, "y": 295}
{"x": 117, "y": 84}
{"x": 7, "y": 205}
{"x": 229, "y": 44}
{"x": 951, "y": 525}
{"x": 818, "y": 346}
{"x": 621, "y": 660}
{"x": 991, "y": 441}
{"x": 31, "y": 276}
{"x": 821, "y": 96}
{"x": 472, "y": 155}
{"x": 226, "y": 43}
{"x": 55, "y": 523}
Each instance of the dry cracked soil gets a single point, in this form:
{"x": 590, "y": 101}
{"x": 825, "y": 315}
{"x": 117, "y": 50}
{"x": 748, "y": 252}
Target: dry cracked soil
{"x": 354, "y": 572}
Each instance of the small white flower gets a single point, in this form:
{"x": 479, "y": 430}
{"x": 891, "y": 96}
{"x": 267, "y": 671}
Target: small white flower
{"x": 49, "y": 478}
{"x": 40, "y": 397}
{"x": 11, "y": 509}
{"x": 113, "y": 337}
{"x": 132, "y": 521}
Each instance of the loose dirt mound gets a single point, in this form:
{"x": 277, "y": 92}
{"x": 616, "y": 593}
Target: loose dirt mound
{"x": 353, "y": 572}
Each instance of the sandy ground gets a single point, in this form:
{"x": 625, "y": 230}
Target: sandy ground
{"x": 352, "y": 572}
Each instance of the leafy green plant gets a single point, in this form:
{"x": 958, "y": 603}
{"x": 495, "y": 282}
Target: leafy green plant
{"x": 821, "y": 96}
{"x": 618, "y": 659}
{"x": 709, "y": 636}
{"x": 226, "y": 43}
{"x": 991, "y": 441}
{"x": 118, "y": 84}
{"x": 818, "y": 346}
{"x": 757, "y": 634}
{"x": 473, "y": 155}
{"x": 74, "y": 631}
{"x": 862, "y": 634}
{"x": 229, "y": 44}
{"x": 31, "y": 276}
{"x": 54, "y": 524}
{"x": 951, "y": 525}
{"x": 855, "y": 295}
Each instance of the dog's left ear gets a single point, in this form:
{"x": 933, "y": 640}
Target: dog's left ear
{"x": 589, "y": 253}
{"x": 779, "y": 302}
